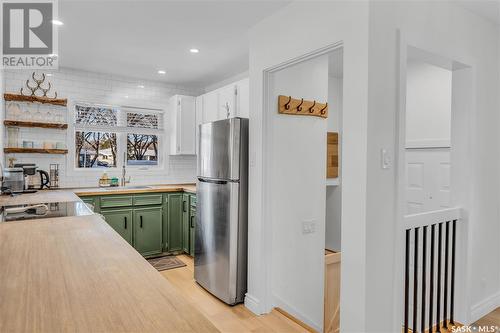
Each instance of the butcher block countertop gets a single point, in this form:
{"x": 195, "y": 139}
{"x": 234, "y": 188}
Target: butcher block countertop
{"x": 45, "y": 196}
{"x": 75, "y": 274}
{"x": 191, "y": 188}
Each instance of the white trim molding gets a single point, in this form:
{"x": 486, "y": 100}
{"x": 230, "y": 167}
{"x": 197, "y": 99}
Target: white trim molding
{"x": 422, "y": 144}
{"x": 484, "y": 307}
{"x": 253, "y": 304}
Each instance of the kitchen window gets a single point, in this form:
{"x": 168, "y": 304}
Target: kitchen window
{"x": 104, "y": 134}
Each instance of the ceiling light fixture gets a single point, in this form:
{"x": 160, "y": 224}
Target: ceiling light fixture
{"x": 140, "y": 86}
{"x": 162, "y": 72}
{"x": 57, "y": 22}
{"x": 194, "y": 50}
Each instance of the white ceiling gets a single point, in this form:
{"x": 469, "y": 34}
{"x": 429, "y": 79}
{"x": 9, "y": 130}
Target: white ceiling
{"x": 489, "y": 9}
{"x": 137, "y": 38}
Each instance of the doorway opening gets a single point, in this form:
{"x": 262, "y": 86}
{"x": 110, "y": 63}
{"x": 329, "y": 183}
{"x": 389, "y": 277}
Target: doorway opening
{"x": 304, "y": 196}
{"x": 433, "y": 191}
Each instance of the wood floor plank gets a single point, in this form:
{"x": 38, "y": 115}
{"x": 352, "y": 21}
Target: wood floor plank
{"x": 227, "y": 319}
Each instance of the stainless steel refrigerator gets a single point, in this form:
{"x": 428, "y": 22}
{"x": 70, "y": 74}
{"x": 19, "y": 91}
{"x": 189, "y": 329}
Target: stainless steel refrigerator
{"x": 220, "y": 258}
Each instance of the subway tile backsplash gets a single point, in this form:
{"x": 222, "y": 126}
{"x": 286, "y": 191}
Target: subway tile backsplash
{"x": 82, "y": 86}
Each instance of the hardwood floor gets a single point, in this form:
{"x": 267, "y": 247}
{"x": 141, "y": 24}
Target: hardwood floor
{"x": 230, "y": 319}
{"x": 491, "y": 319}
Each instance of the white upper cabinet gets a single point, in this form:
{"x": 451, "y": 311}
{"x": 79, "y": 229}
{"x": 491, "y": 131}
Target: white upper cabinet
{"x": 183, "y": 125}
{"x": 199, "y": 119}
{"x": 229, "y": 101}
{"x": 243, "y": 98}
{"x": 210, "y": 106}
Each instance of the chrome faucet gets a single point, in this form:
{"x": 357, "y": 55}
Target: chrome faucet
{"x": 124, "y": 181}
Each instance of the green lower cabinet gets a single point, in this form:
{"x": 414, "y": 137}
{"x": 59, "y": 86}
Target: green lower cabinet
{"x": 174, "y": 222}
{"x": 148, "y": 230}
{"x": 121, "y": 221}
{"x": 185, "y": 223}
{"x": 192, "y": 222}
{"x": 93, "y": 201}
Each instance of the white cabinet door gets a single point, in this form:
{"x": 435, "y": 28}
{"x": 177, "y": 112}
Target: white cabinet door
{"x": 210, "y": 107}
{"x": 183, "y": 124}
{"x": 227, "y": 102}
{"x": 243, "y": 98}
{"x": 199, "y": 119}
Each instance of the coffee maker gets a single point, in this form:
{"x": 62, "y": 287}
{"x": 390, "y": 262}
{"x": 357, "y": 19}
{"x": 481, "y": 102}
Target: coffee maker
{"x": 34, "y": 179}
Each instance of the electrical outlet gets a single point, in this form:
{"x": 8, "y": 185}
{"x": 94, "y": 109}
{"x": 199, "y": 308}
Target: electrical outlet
{"x": 308, "y": 227}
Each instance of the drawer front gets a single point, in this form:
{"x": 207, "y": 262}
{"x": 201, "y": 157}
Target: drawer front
{"x": 89, "y": 200}
{"x": 150, "y": 199}
{"x": 109, "y": 201}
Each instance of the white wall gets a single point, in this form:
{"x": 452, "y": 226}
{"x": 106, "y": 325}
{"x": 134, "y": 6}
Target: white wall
{"x": 272, "y": 42}
{"x": 76, "y": 85}
{"x": 428, "y": 105}
{"x": 445, "y": 29}
{"x": 334, "y": 193}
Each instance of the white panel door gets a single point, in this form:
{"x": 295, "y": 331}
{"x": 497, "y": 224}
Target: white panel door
{"x": 427, "y": 180}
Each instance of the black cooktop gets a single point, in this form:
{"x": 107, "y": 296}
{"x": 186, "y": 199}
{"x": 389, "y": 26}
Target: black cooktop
{"x": 43, "y": 211}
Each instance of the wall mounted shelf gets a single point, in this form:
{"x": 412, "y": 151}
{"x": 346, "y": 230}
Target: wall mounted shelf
{"x": 35, "y": 99}
{"x": 34, "y": 151}
{"x": 19, "y": 123}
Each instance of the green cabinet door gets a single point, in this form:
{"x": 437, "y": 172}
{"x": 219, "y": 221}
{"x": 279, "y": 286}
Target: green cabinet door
{"x": 192, "y": 221}
{"x": 165, "y": 222}
{"x": 148, "y": 230}
{"x": 175, "y": 207}
{"x": 121, "y": 221}
{"x": 185, "y": 223}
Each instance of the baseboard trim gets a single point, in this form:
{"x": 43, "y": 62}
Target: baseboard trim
{"x": 484, "y": 307}
{"x": 252, "y": 304}
{"x": 295, "y": 320}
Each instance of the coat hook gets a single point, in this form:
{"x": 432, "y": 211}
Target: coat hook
{"x": 311, "y": 109}
{"x": 287, "y": 105}
{"x": 323, "y": 110}
{"x": 299, "y": 107}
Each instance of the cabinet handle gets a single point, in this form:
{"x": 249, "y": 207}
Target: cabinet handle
{"x": 184, "y": 206}
{"x": 125, "y": 220}
{"x": 140, "y": 224}
{"x": 192, "y": 224}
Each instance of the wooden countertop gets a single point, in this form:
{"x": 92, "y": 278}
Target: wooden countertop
{"x": 76, "y": 274}
{"x": 191, "y": 188}
{"x": 45, "y": 196}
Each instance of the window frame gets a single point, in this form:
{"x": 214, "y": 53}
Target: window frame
{"x": 163, "y": 142}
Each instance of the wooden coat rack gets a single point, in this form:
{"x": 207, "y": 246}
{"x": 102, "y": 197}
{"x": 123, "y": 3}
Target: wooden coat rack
{"x": 301, "y": 107}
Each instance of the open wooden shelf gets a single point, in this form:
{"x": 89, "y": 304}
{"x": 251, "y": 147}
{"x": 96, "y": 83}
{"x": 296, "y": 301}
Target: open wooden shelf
{"x": 34, "y": 151}
{"x": 19, "y": 123}
{"x": 44, "y": 100}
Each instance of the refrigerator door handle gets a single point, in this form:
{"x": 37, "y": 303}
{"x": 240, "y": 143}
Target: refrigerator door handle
{"x": 213, "y": 181}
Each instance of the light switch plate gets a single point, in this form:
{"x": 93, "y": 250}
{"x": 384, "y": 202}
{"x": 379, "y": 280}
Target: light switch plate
{"x": 386, "y": 159}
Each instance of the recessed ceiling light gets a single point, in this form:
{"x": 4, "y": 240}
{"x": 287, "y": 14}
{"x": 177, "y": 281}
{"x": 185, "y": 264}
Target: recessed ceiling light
{"x": 49, "y": 74}
{"x": 126, "y": 96}
{"x": 140, "y": 86}
{"x": 162, "y": 72}
{"x": 194, "y": 50}
{"x": 57, "y": 22}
